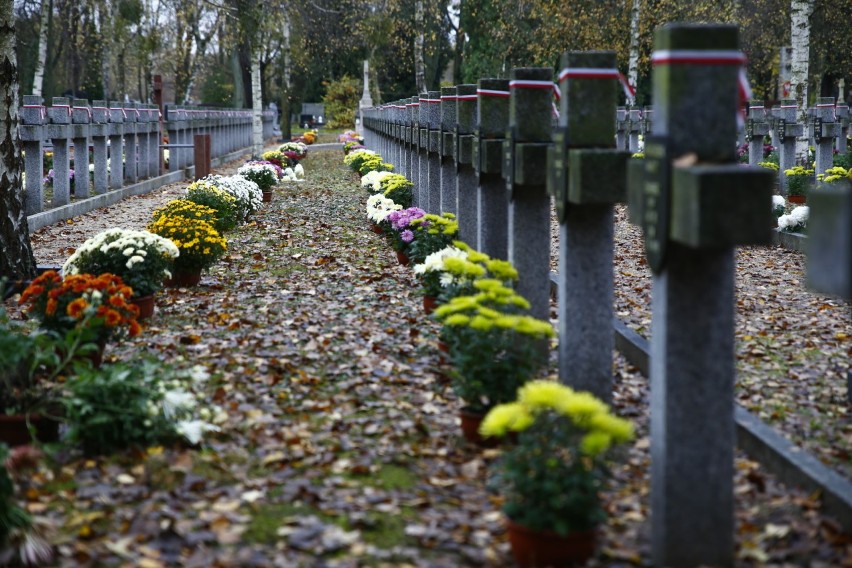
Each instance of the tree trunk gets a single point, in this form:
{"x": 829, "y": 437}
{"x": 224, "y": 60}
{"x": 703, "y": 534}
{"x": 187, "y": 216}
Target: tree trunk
{"x": 800, "y": 34}
{"x": 17, "y": 260}
{"x": 633, "y": 60}
{"x": 106, "y": 48}
{"x": 38, "y": 78}
{"x": 239, "y": 100}
{"x": 286, "y": 132}
{"x": 419, "y": 63}
{"x": 257, "y": 107}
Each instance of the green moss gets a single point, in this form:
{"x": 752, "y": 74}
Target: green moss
{"x": 394, "y": 477}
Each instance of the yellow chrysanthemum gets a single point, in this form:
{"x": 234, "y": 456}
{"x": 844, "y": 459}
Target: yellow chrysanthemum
{"x": 619, "y": 429}
{"x": 457, "y": 320}
{"x": 544, "y": 394}
{"x": 595, "y": 443}
{"x": 505, "y": 417}
{"x": 582, "y": 406}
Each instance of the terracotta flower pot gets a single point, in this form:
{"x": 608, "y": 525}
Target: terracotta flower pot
{"x": 14, "y": 432}
{"x": 429, "y": 304}
{"x": 376, "y": 228}
{"x": 184, "y": 279}
{"x": 470, "y": 422}
{"x": 267, "y": 196}
{"x": 145, "y": 305}
{"x": 547, "y": 548}
{"x": 797, "y": 199}
{"x": 402, "y": 258}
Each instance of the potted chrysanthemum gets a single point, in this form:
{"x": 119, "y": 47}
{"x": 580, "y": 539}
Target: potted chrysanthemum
{"x": 799, "y": 182}
{"x": 263, "y": 174}
{"x": 378, "y": 208}
{"x": 553, "y": 475}
{"x": 205, "y": 192}
{"x": 431, "y": 234}
{"x": 199, "y": 243}
{"x": 399, "y": 230}
{"x": 493, "y": 345}
{"x": 142, "y": 260}
{"x": 248, "y": 194}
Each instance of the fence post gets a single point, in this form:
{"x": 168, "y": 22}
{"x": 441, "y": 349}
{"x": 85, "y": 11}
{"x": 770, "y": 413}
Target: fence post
{"x": 81, "y": 118}
{"x": 99, "y": 131}
{"x": 59, "y": 131}
{"x": 116, "y": 150}
{"x": 492, "y": 197}
{"x": 447, "y": 141}
{"x": 32, "y": 118}
{"x": 467, "y": 205}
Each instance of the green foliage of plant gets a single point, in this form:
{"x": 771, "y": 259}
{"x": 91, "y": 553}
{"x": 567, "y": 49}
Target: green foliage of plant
{"x": 799, "y": 180}
{"x": 374, "y": 163}
{"x": 397, "y": 188}
{"x": 493, "y": 346}
{"x": 116, "y": 408}
{"x": 341, "y": 99}
{"x": 205, "y": 193}
{"x": 12, "y": 517}
{"x": 843, "y": 161}
{"x": 431, "y": 234}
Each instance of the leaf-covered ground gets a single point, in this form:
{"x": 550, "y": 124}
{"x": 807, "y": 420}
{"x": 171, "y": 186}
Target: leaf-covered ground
{"x": 342, "y": 446}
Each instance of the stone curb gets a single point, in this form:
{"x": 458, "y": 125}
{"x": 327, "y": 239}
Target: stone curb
{"x": 761, "y": 442}
{"x": 45, "y": 218}
{"x": 789, "y": 241}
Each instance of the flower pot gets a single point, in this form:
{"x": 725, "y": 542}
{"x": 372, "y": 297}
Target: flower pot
{"x": 14, "y": 432}
{"x": 797, "y": 199}
{"x": 547, "y": 548}
{"x": 376, "y": 228}
{"x": 145, "y": 305}
{"x": 470, "y": 422}
{"x": 267, "y": 196}
{"x": 402, "y": 258}
{"x": 184, "y": 278}
{"x": 429, "y": 304}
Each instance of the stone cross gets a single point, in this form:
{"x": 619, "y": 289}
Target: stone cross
{"x": 412, "y": 137}
{"x": 824, "y": 128}
{"x": 366, "y": 99}
{"x": 32, "y": 118}
{"x": 587, "y": 178}
{"x": 446, "y": 153}
{"x": 842, "y": 111}
{"x": 423, "y": 151}
{"x": 130, "y": 122}
{"x": 81, "y": 118}
{"x": 756, "y": 129}
{"x": 634, "y": 125}
{"x": 829, "y": 243}
{"x": 99, "y": 131}
{"x": 621, "y": 128}
{"x": 699, "y": 205}
{"x": 492, "y": 197}
{"x": 58, "y": 131}
{"x": 525, "y": 172}
{"x": 433, "y": 109}
{"x": 467, "y": 205}
{"x": 787, "y": 131}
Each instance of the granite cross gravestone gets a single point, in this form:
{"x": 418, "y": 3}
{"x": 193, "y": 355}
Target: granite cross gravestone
{"x": 99, "y": 131}
{"x": 467, "y": 206}
{"x": 413, "y": 105}
{"x": 842, "y": 111}
{"x": 32, "y": 119}
{"x": 787, "y": 131}
{"x": 447, "y": 141}
{"x": 525, "y": 172}
{"x": 81, "y": 117}
{"x": 58, "y": 131}
{"x": 823, "y": 130}
{"x": 433, "y": 141}
{"x": 587, "y": 179}
{"x": 699, "y": 204}
{"x": 130, "y": 118}
{"x": 423, "y": 152}
{"x": 756, "y": 129}
{"x": 492, "y": 199}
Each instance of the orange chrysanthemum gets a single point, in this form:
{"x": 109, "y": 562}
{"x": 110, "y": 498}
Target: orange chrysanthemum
{"x": 77, "y": 308}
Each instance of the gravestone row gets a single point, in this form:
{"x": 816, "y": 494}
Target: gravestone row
{"x": 694, "y": 202}
{"x": 124, "y": 140}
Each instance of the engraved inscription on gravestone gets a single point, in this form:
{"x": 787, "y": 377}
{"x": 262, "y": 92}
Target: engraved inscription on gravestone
{"x": 657, "y": 200}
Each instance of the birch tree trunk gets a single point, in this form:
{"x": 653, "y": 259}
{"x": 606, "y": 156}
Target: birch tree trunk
{"x": 286, "y": 132}
{"x": 106, "y": 44}
{"x": 419, "y": 63}
{"x": 16, "y": 260}
{"x": 633, "y": 59}
{"x": 256, "y": 105}
{"x": 800, "y": 35}
{"x": 38, "y": 78}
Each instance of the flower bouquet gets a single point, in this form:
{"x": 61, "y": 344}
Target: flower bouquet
{"x": 296, "y": 173}
{"x": 350, "y": 136}
{"x": 799, "y": 181}
{"x": 356, "y": 158}
{"x": 431, "y": 234}
{"x": 140, "y": 258}
{"x": 277, "y": 159}
{"x": 397, "y": 188}
{"x": 552, "y": 477}
{"x": 199, "y": 243}
{"x": 493, "y": 345}
{"x": 248, "y": 194}
{"x": 398, "y": 228}
{"x": 374, "y": 163}
{"x": 99, "y": 305}
{"x": 379, "y": 207}
{"x": 294, "y": 151}
{"x": 264, "y": 174}
{"x": 372, "y": 181}
{"x": 351, "y": 146}
{"x": 796, "y": 221}
{"x": 453, "y": 270}
{"x": 205, "y": 192}
{"x": 835, "y": 176}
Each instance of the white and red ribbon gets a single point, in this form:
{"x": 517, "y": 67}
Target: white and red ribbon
{"x": 492, "y": 93}
{"x": 711, "y": 57}
{"x": 598, "y": 73}
{"x": 41, "y": 110}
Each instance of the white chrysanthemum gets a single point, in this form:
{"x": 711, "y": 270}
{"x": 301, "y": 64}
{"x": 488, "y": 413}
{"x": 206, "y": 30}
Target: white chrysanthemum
{"x": 299, "y": 171}
{"x": 777, "y": 201}
{"x": 379, "y": 207}
{"x": 120, "y": 241}
{"x": 199, "y": 374}
{"x": 247, "y": 193}
{"x": 435, "y": 261}
{"x": 372, "y": 180}
{"x": 797, "y": 219}
{"x": 194, "y": 430}
{"x": 176, "y": 400}
{"x": 289, "y": 175}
